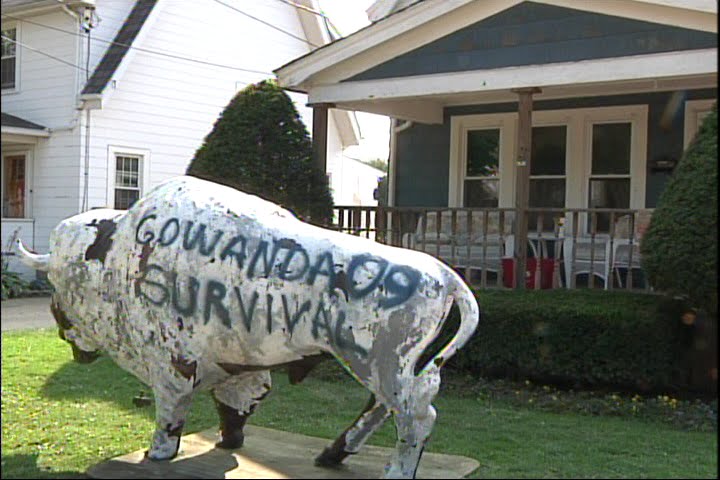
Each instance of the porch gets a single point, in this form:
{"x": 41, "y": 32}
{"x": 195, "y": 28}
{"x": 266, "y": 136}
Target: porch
{"x": 566, "y": 247}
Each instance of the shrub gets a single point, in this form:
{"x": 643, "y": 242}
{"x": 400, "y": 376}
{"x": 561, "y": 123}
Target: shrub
{"x": 260, "y": 145}
{"x": 580, "y": 337}
{"x": 13, "y": 284}
{"x": 680, "y": 248}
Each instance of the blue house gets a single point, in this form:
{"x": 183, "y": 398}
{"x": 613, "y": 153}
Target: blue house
{"x": 524, "y": 130}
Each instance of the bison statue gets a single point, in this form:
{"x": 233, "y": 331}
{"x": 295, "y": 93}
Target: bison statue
{"x": 200, "y": 286}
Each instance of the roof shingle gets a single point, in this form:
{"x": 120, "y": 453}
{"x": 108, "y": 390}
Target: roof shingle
{"x": 17, "y": 122}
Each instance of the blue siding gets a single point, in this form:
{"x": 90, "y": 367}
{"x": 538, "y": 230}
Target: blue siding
{"x": 424, "y": 169}
{"x": 532, "y": 34}
{"x": 423, "y": 151}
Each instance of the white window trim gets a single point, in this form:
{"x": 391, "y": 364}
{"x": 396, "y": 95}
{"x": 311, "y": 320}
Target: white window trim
{"x": 459, "y": 127}
{"x": 579, "y": 137}
{"x": 18, "y": 53}
{"x": 692, "y": 109}
{"x": 144, "y": 181}
{"x": 637, "y": 116}
{"x": 28, "y": 153}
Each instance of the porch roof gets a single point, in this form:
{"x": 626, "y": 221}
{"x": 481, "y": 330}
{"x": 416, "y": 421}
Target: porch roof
{"x": 332, "y": 74}
{"x": 17, "y": 126}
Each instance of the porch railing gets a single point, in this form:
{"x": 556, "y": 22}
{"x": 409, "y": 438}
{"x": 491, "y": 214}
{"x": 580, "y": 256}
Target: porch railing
{"x": 567, "y": 247}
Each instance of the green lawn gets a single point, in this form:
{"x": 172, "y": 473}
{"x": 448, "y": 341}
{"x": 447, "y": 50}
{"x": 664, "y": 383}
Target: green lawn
{"x": 59, "y": 418}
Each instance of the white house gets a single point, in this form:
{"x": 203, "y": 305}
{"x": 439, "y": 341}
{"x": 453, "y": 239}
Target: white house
{"x": 104, "y": 99}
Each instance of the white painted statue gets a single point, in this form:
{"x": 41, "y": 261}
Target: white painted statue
{"x": 200, "y": 286}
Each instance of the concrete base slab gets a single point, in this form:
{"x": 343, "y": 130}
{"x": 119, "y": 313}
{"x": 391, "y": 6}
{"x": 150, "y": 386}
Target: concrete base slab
{"x": 270, "y": 454}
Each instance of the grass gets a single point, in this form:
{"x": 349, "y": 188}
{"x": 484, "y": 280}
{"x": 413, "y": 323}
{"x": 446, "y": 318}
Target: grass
{"x": 60, "y": 418}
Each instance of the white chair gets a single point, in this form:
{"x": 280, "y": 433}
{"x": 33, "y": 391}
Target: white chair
{"x": 460, "y": 247}
{"x": 592, "y": 257}
{"x": 625, "y": 256}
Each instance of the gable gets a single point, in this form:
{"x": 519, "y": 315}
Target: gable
{"x": 121, "y": 44}
{"x": 533, "y": 33}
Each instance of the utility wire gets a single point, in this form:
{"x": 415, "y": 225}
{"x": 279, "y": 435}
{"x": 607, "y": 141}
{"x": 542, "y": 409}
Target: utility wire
{"x": 267, "y": 23}
{"x": 154, "y": 52}
{"x": 315, "y": 12}
{"x": 43, "y": 53}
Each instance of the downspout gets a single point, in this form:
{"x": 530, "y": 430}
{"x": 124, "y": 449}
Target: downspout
{"x": 394, "y": 130}
{"x": 86, "y": 170}
{"x": 87, "y": 23}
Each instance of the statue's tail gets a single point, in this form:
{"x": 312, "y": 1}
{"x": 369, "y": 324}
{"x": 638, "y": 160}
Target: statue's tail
{"x": 33, "y": 260}
{"x": 469, "y": 309}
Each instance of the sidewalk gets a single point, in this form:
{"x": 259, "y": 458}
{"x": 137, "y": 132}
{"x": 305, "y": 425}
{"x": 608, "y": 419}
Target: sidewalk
{"x": 24, "y": 313}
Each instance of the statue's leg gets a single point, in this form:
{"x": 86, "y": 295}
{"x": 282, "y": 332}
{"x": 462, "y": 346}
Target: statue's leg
{"x": 236, "y": 399}
{"x": 171, "y": 409}
{"x": 414, "y": 419}
{"x": 355, "y": 436}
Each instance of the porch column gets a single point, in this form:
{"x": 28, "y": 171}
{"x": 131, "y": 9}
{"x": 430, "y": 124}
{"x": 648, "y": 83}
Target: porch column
{"x": 320, "y": 134}
{"x": 522, "y": 181}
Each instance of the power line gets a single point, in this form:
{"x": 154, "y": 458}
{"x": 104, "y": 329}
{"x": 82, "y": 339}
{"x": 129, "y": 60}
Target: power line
{"x": 315, "y": 12}
{"x": 140, "y": 49}
{"x": 43, "y": 53}
{"x": 268, "y": 24}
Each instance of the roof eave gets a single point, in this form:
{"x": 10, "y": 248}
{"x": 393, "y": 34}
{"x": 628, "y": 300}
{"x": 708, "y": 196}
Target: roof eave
{"x": 33, "y": 8}
{"x": 300, "y": 73}
{"x": 29, "y": 132}
{"x": 296, "y": 72}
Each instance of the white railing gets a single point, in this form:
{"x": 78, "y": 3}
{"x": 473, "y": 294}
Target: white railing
{"x": 569, "y": 248}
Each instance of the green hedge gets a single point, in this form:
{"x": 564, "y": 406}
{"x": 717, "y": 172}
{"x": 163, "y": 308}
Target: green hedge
{"x": 579, "y": 337}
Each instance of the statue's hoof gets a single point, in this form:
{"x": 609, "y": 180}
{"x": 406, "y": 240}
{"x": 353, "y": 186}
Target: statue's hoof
{"x": 158, "y": 459}
{"x": 330, "y": 458}
{"x": 231, "y": 442}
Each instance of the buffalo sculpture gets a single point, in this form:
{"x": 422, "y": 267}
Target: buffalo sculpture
{"x": 200, "y": 286}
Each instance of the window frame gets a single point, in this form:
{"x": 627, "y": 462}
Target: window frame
{"x": 552, "y": 121}
{"x": 691, "y": 124}
{"x": 637, "y": 117}
{"x": 460, "y": 126}
{"x": 143, "y": 170}
{"x": 27, "y": 153}
{"x": 578, "y": 150}
{"x": 18, "y": 52}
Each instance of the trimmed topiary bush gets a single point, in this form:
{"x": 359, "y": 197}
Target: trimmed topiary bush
{"x": 679, "y": 251}
{"x": 260, "y": 145}
{"x": 581, "y": 338}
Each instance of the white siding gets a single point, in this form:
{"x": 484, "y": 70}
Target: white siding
{"x": 56, "y": 181}
{"x": 46, "y": 94}
{"x": 169, "y": 105}
{"x": 111, "y": 16}
{"x": 354, "y": 182}
{"x": 46, "y": 87}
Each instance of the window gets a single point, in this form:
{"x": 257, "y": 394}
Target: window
{"x": 13, "y": 186}
{"x": 128, "y": 176}
{"x": 547, "y": 173}
{"x": 482, "y": 168}
{"x": 9, "y": 58}
{"x": 127, "y": 181}
{"x": 581, "y": 158}
{"x": 481, "y": 151}
{"x": 609, "y": 182}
